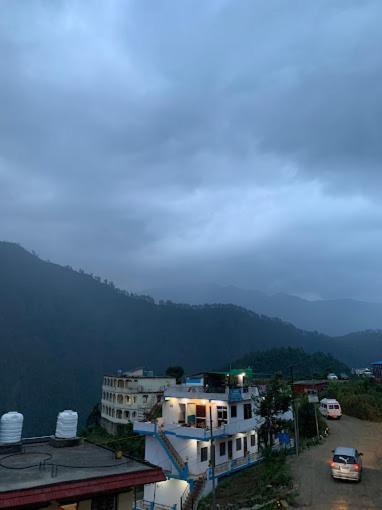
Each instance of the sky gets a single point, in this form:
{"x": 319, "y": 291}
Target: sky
{"x": 189, "y": 142}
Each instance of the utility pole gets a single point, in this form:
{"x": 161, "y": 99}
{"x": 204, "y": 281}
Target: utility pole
{"x": 315, "y": 416}
{"x": 212, "y": 460}
{"x": 295, "y": 413}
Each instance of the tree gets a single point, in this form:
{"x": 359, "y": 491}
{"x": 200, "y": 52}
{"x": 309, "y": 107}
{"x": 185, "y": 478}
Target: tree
{"x": 94, "y": 418}
{"x": 176, "y": 372}
{"x": 277, "y": 400}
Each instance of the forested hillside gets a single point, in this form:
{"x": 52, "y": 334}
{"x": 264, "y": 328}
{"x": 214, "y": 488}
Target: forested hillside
{"x": 316, "y": 364}
{"x": 60, "y": 330}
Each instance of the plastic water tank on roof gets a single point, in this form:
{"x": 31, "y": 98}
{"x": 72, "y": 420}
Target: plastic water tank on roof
{"x": 11, "y": 426}
{"x": 67, "y": 425}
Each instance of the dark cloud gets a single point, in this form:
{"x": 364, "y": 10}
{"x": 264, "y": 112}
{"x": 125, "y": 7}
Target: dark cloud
{"x": 180, "y": 141}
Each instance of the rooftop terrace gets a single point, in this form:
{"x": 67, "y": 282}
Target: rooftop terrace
{"x": 42, "y": 465}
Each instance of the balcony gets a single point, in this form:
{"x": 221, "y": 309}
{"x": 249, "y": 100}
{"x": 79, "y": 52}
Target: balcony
{"x": 236, "y": 464}
{"x": 221, "y": 393}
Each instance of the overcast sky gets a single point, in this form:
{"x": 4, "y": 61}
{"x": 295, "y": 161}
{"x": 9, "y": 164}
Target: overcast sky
{"x": 173, "y": 142}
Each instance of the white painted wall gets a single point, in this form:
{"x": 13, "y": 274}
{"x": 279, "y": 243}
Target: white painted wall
{"x": 165, "y": 493}
{"x": 155, "y": 454}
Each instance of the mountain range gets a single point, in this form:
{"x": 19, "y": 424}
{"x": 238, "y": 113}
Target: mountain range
{"x": 61, "y": 330}
{"x": 332, "y": 317}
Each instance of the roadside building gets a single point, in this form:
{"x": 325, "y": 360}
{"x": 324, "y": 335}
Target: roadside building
{"x": 376, "y": 368}
{"x": 307, "y": 386}
{"x": 208, "y": 421}
{"x": 73, "y": 474}
{"x": 131, "y": 396}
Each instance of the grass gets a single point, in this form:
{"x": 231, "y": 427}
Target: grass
{"x": 256, "y": 485}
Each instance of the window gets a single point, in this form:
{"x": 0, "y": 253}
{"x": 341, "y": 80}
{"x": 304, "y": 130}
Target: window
{"x": 127, "y": 415}
{"x": 203, "y": 454}
{"x": 200, "y": 416}
{"x": 233, "y": 411}
{"x": 222, "y": 449}
{"x": 119, "y": 414}
{"x": 253, "y": 440}
{"x": 134, "y": 399}
{"x": 222, "y": 415}
{"x": 247, "y": 411}
{"x": 120, "y": 399}
{"x": 145, "y": 397}
{"x": 238, "y": 444}
{"x": 133, "y": 414}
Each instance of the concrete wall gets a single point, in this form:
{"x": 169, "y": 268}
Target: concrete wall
{"x": 155, "y": 454}
{"x": 165, "y": 493}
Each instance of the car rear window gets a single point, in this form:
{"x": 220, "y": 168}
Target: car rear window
{"x": 336, "y": 406}
{"x": 344, "y": 459}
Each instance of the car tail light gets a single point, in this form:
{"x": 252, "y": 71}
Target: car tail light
{"x": 333, "y": 464}
{"x": 356, "y": 467}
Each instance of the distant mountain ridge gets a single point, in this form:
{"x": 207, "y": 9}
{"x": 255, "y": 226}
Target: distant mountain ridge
{"x": 61, "y": 330}
{"x": 334, "y": 317}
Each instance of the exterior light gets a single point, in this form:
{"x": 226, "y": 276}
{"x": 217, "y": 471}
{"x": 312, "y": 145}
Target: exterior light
{"x": 242, "y": 374}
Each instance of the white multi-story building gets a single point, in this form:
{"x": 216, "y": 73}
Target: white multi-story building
{"x": 131, "y": 396}
{"x": 210, "y": 409}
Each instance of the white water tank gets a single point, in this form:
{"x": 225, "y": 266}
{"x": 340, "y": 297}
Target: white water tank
{"x": 11, "y": 427}
{"x": 67, "y": 424}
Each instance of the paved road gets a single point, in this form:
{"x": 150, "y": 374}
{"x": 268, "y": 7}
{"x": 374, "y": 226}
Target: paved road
{"x": 318, "y": 491}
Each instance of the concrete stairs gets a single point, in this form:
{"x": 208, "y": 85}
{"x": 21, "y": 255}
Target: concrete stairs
{"x": 175, "y": 458}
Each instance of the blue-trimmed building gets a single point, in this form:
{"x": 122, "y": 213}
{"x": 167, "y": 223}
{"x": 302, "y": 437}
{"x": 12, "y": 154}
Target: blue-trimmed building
{"x": 208, "y": 420}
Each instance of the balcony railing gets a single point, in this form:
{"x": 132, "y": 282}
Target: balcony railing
{"x": 202, "y": 434}
{"x": 225, "y": 393}
{"x": 150, "y": 505}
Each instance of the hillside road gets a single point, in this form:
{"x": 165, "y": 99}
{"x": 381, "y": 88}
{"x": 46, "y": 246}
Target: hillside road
{"x": 318, "y": 491}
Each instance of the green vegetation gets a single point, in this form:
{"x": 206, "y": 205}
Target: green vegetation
{"x": 276, "y": 401}
{"x": 307, "y": 421}
{"x": 126, "y": 441}
{"x": 359, "y": 397}
{"x": 305, "y": 365}
{"x": 177, "y": 372}
{"x": 61, "y": 330}
{"x": 256, "y": 485}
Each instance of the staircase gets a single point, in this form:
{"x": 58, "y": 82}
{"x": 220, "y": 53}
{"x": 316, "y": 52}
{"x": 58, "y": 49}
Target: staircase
{"x": 174, "y": 456}
{"x": 194, "y": 495}
{"x": 154, "y": 411}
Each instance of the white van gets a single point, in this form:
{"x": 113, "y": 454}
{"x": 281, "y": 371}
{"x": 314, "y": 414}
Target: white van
{"x": 330, "y": 408}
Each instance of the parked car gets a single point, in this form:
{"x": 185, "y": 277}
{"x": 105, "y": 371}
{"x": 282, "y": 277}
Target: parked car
{"x": 346, "y": 464}
{"x": 332, "y": 377}
{"x": 330, "y": 408}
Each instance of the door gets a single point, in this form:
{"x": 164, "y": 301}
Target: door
{"x": 245, "y": 445}
{"x": 229, "y": 449}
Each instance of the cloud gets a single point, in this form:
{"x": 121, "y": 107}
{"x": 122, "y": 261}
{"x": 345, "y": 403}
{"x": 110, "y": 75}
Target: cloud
{"x": 233, "y": 141}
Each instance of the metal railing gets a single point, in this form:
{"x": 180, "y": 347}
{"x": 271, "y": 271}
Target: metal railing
{"x": 150, "y": 505}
